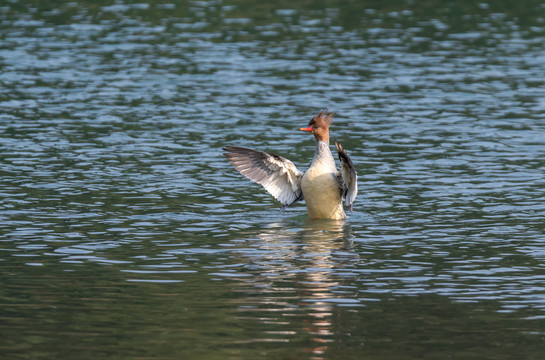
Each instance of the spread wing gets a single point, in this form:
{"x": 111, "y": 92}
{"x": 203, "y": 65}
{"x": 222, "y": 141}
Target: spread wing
{"x": 276, "y": 174}
{"x": 348, "y": 176}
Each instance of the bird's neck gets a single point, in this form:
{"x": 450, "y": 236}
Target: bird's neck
{"x": 323, "y": 157}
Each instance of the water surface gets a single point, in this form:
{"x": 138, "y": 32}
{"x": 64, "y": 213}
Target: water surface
{"x": 124, "y": 233}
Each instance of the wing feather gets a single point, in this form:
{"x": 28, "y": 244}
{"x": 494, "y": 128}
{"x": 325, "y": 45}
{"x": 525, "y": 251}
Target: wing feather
{"x": 279, "y": 176}
{"x": 348, "y": 176}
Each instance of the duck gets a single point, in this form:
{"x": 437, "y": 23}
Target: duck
{"x": 322, "y": 187}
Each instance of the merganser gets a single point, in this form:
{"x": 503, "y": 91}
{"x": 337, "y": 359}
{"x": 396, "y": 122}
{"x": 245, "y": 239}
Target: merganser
{"x": 322, "y": 186}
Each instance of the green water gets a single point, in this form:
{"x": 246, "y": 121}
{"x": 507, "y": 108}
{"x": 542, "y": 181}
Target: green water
{"x": 124, "y": 233}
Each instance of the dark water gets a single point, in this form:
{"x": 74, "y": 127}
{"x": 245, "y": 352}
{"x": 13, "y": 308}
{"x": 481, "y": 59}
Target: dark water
{"x": 125, "y": 234}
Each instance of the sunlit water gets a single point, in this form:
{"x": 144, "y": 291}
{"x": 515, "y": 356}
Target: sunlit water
{"x": 125, "y": 233}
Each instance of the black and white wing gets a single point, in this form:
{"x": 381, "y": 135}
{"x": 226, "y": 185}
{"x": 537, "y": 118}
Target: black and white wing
{"x": 276, "y": 174}
{"x": 347, "y": 176}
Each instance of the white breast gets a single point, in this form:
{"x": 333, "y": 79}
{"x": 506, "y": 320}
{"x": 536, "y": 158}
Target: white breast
{"x": 321, "y": 188}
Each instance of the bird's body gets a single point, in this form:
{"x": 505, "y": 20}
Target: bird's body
{"x": 322, "y": 186}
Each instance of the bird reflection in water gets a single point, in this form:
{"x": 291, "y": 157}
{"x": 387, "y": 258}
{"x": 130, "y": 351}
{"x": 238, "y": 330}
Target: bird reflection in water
{"x": 324, "y": 239}
{"x": 300, "y": 278}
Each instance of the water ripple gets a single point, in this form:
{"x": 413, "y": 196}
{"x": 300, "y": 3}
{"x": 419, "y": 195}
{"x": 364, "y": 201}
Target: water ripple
{"x": 111, "y": 127}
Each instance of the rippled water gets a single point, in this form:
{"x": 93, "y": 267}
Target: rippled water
{"x": 124, "y": 233}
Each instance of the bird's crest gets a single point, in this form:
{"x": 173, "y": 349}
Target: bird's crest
{"x": 322, "y": 119}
